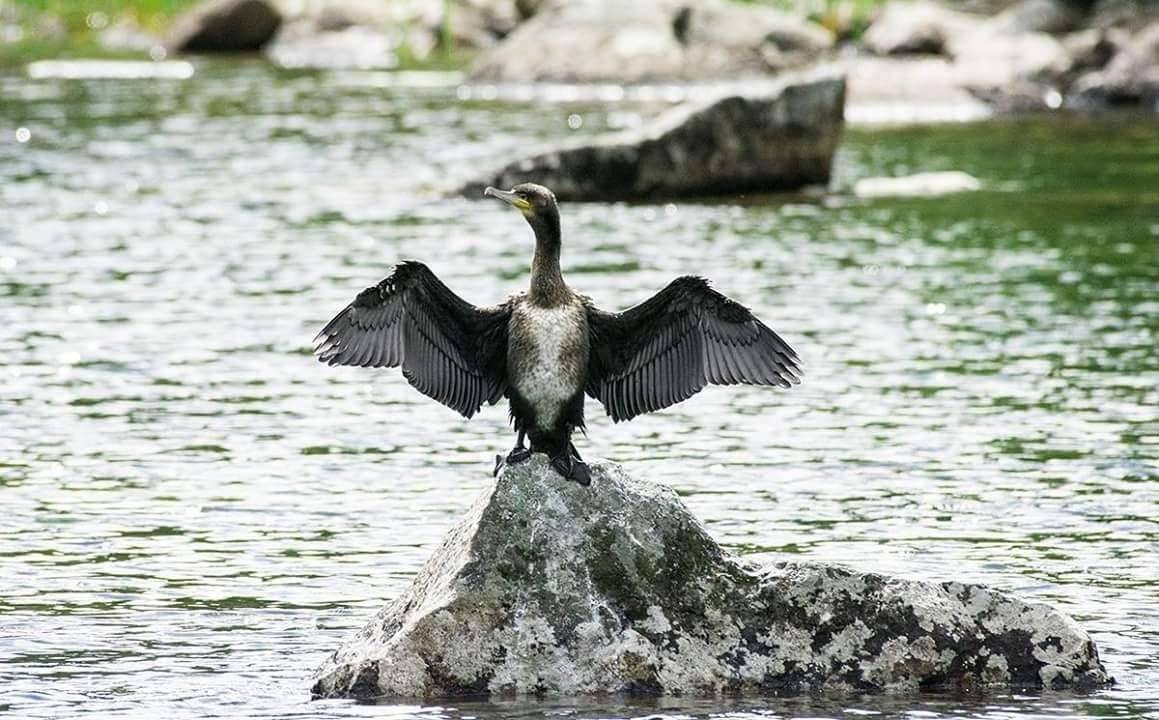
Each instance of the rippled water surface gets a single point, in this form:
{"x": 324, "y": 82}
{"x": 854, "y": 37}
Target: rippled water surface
{"x": 194, "y": 512}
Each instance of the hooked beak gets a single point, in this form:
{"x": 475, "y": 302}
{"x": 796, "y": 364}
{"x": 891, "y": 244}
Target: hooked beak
{"x": 508, "y": 197}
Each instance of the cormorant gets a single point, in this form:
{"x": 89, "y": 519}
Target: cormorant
{"x": 545, "y": 348}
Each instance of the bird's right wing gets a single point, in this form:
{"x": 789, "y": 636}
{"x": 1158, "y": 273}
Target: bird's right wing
{"x": 449, "y": 349}
{"x": 667, "y": 348}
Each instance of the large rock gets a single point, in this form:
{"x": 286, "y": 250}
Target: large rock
{"x": 1000, "y": 61}
{"x": 225, "y": 26}
{"x": 994, "y": 61}
{"x": 305, "y": 45}
{"x": 1130, "y": 15}
{"x": 1131, "y": 76}
{"x": 921, "y": 28}
{"x": 1048, "y": 16}
{"x": 908, "y": 89}
{"x": 650, "y": 41}
{"x": 549, "y": 587}
{"x": 781, "y": 138}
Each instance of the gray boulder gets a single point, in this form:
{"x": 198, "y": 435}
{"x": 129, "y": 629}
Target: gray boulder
{"x": 1131, "y": 76}
{"x": 549, "y": 587}
{"x": 224, "y": 26}
{"x": 781, "y": 138}
{"x": 994, "y": 62}
{"x": 917, "y": 28}
{"x": 908, "y": 89}
{"x": 650, "y": 41}
{"x": 301, "y": 45}
{"x": 1130, "y": 15}
{"x": 1088, "y": 50}
{"x": 1048, "y": 16}
{"x": 373, "y": 33}
{"x": 997, "y": 61}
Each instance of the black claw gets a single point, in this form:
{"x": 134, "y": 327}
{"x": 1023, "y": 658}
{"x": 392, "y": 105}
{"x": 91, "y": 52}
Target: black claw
{"x": 498, "y": 465}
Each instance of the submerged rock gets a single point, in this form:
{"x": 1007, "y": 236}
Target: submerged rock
{"x": 928, "y": 184}
{"x": 225, "y": 26}
{"x": 782, "y": 138}
{"x": 549, "y": 587}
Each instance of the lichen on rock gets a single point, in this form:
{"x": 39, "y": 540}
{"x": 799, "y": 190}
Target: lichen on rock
{"x": 549, "y": 587}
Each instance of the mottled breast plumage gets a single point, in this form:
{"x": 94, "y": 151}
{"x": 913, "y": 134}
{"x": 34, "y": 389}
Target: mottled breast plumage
{"x": 547, "y": 356}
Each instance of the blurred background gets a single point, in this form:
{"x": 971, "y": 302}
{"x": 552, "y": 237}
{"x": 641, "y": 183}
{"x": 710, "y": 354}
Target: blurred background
{"x": 195, "y": 512}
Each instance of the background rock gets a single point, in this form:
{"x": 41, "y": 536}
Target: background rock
{"x": 990, "y": 62}
{"x": 549, "y": 587}
{"x": 479, "y": 24}
{"x": 780, "y": 138}
{"x": 225, "y": 26}
{"x": 1047, "y": 16}
{"x": 908, "y": 89}
{"x": 1002, "y": 61}
{"x": 355, "y": 47}
{"x": 1131, "y": 15}
{"x": 1131, "y": 76}
{"x": 372, "y": 33}
{"x": 650, "y": 41}
{"x": 916, "y": 28}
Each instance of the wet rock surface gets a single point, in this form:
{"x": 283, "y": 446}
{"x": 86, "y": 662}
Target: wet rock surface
{"x": 548, "y": 587}
{"x": 781, "y": 137}
{"x": 225, "y": 26}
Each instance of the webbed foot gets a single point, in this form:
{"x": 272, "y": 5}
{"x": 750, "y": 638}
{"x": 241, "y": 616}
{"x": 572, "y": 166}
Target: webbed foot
{"x": 572, "y": 469}
{"x": 518, "y": 455}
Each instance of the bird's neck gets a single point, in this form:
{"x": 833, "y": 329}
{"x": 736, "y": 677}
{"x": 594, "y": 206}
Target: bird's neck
{"x": 547, "y": 285}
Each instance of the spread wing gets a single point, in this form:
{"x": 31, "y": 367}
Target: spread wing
{"x": 449, "y": 349}
{"x": 667, "y": 348}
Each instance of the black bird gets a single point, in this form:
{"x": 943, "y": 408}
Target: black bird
{"x": 543, "y": 349}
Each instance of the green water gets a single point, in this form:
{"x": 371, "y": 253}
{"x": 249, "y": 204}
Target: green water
{"x": 195, "y": 512}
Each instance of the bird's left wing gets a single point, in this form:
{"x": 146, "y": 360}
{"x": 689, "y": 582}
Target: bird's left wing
{"x": 449, "y": 349}
{"x": 667, "y": 348}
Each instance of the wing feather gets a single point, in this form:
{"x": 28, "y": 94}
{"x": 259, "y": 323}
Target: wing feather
{"x": 667, "y": 348}
{"x": 449, "y": 349}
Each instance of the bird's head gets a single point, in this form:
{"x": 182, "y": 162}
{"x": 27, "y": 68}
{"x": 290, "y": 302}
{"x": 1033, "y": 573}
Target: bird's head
{"x": 536, "y": 202}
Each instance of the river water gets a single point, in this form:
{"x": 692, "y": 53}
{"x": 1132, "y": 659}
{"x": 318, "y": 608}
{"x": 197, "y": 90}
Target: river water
{"x": 194, "y": 512}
